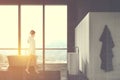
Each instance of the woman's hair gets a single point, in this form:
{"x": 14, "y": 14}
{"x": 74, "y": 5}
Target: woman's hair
{"x": 32, "y": 32}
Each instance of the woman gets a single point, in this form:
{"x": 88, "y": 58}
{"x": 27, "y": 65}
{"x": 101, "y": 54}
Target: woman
{"x": 31, "y": 51}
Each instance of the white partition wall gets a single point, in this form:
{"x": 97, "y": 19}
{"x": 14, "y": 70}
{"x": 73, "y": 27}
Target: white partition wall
{"x": 87, "y": 36}
{"x": 82, "y": 42}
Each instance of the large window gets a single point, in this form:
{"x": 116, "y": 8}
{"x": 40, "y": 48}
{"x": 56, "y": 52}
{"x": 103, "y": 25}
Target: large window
{"x": 31, "y": 17}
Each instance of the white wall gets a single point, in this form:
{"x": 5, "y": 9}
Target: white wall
{"x": 87, "y": 35}
{"x": 82, "y": 41}
{"x": 97, "y": 22}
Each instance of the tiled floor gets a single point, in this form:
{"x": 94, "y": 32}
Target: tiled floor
{"x": 57, "y": 67}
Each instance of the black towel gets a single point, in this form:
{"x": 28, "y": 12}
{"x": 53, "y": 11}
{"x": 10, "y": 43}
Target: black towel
{"x": 106, "y": 54}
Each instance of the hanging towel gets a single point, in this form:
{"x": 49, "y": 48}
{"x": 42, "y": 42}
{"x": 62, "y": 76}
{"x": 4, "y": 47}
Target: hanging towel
{"x": 106, "y": 54}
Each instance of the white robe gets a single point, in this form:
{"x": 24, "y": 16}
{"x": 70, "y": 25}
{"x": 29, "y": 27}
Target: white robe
{"x": 31, "y": 43}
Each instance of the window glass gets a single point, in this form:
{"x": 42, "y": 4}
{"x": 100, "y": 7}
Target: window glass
{"x": 56, "y": 56}
{"x": 31, "y": 19}
{"x": 55, "y": 26}
{"x": 8, "y": 26}
{"x": 56, "y": 33}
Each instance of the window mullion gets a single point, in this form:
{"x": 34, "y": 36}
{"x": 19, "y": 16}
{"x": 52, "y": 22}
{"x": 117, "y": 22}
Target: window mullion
{"x": 19, "y": 29}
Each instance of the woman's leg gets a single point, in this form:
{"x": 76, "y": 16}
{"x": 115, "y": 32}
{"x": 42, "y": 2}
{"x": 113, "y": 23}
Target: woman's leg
{"x": 35, "y": 63}
{"x": 28, "y": 63}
